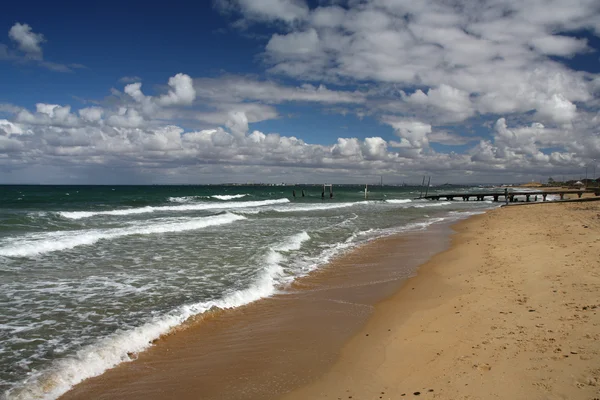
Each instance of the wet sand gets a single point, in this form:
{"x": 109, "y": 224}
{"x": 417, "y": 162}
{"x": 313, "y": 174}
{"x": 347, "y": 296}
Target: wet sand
{"x": 510, "y": 311}
{"x": 267, "y": 348}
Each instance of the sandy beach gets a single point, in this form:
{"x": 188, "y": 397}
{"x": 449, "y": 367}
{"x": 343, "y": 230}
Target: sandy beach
{"x": 509, "y": 312}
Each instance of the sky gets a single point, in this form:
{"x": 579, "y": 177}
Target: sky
{"x": 299, "y": 91}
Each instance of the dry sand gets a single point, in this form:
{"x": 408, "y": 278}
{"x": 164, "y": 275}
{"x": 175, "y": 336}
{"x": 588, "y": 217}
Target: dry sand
{"x": 510, "y": 311}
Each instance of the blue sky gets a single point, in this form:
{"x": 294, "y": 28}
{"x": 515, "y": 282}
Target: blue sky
{"x": 289, "y": 90}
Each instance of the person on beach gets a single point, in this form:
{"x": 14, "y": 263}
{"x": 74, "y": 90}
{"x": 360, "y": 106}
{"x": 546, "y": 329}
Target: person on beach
{"x": 506, "y": 195}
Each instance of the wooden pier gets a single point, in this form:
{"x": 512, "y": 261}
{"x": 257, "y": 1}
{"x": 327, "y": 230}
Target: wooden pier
{"x": 503, "y": 195}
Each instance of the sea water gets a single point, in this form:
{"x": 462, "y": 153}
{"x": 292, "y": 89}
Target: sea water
{"x": 90, "y": 275}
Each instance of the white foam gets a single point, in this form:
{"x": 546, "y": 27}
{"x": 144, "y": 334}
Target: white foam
{"x": 293, "y": 242}
{"x": 183, "y": 207}
{"x": 398, "y": 201}
{"x": 228, "y": 196}
{"x": 34, "y": 244}
{"x": 94, "y": 359}
{"x": 436, "y": 204}
{"x": 313, "y": 207}
{"x": 185, "y": 199}
{"x": 87, "y": 214}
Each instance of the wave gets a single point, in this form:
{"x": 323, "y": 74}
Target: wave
{"x": 186, "y": 199}
{"x": 35, "y": 244}
{"x": 314, "y": 207}
{"x": 436, "y": 204}
{"x": 183, "y": 207}
{"x": 301, "y": 207}
{"x": 117, "y": 348}
{"x": 398, "y": 201}
{"x": 228, "y": 196}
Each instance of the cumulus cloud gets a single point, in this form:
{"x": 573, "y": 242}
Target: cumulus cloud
{"x": 27, "y": 41}
{"x": 346, "y": 148}
{"x": 8, "y": 128}
{"x": 296, "y": 45}
{"x": 563, "y": 46}
{"x": 53, "y": 136}
{"x": 29, "y": 49}
{"x": 91, "y": 114}
{"x": 414, "y": 133}
{"x": 266, "y": 10}
{"x": 48, "y": 115}
{"x": 464, "y": 59}
{"x": 238, "y": 123}
{"x": 126, "y": 118}
{"x": 181, "y": 91}
{"x": 428, "y": 70}
{"x": 135, "y": 91}
{"x": 455, "y": 103}
{"x": 558, "y": 109}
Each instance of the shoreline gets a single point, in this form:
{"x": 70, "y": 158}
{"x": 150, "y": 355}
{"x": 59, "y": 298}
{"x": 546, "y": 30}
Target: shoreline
{"x": 509, "y": 311}
{"x": 320, "y": 312}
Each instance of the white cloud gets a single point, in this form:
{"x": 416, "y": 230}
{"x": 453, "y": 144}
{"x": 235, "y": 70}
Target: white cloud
{"x": 8, "y": 128}
{"x": 414, "y": 132}
{"x": 267, "y": 10}
{"x": 346, "y": 148}
{"x": 296, "y": 45}
{"x": 238, "y": 88}
{"x": 8, "y": 145}
{"x": 181, "y": 91}
{"x": 375, "y": 148}
{"x": 134, "y": 131}
{"x": 49, "y": 115}
{"x": 237, "y": 123}
{"x": 329, "y": 17}
{"x": 559, "y": 45}
{"x": 91, "y": 114}
{"x": 455, "y": 103}
{"x": 126, "y": 118}
{"x": 558, "y": 109}
{"x": 135, "y": 91}
{"x": 464, "y": 59}
{"x": 451, "y": 139}
{"x": 27, "y": 41}
{"x": 30, "y": 50}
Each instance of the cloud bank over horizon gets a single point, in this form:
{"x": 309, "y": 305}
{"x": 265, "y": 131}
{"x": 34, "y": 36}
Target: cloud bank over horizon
{"x": 466, "y": 92}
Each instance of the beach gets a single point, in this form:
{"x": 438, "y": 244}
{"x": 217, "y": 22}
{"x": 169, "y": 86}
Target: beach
{"x": 268, "y": 348}
{"x": 499, "y": 305}
{"x": 510, "y": 311}
{"x": 95, "y": 277}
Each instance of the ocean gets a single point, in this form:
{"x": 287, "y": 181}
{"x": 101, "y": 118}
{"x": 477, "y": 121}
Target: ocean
{"x": 93, "y": 274}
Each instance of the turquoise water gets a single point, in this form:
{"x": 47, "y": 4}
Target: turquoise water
{"x": 92, "y": 273}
